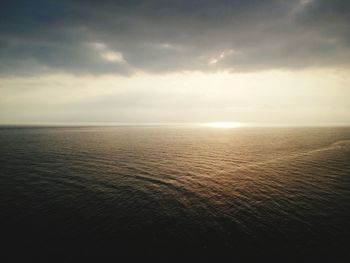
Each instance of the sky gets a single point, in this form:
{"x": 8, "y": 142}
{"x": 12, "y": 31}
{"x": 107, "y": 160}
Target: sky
{"x": 278, "y": 62}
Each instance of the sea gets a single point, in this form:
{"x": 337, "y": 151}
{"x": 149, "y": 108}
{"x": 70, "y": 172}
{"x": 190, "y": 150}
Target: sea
{"x": 174, "y": 193}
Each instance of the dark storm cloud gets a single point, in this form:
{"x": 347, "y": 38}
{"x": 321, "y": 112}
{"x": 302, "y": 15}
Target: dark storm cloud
{"x": 163, "y": 36}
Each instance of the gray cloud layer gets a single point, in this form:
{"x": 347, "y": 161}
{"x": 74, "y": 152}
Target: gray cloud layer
{"x": 122, "y": 36}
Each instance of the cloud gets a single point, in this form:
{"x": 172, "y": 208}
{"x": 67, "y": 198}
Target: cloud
{"x": 122, "y": 37}
{"x": 306, "y": 97}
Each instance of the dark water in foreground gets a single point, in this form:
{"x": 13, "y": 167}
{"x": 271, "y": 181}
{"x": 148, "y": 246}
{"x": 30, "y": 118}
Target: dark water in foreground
{"x": 175, "y": 193}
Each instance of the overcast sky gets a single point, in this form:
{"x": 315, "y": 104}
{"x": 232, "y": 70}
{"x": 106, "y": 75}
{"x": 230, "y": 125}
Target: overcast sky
{"x": 132, "y": 61}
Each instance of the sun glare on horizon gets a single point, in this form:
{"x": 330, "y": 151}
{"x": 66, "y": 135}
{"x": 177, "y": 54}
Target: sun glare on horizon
{"x": 223, "y": 125}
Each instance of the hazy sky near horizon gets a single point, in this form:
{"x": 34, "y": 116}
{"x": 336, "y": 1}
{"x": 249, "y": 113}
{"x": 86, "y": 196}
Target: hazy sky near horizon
{"x": 271, "y": 61}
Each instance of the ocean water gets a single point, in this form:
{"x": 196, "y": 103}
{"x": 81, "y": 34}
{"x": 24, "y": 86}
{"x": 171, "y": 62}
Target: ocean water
{"x": 175, "y": 192}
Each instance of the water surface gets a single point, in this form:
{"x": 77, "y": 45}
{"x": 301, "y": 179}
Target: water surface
{"x": 175, "y": 192}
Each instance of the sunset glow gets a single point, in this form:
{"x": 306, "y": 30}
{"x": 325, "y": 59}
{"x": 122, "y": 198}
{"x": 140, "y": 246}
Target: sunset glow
{"x": 223, "y": 125}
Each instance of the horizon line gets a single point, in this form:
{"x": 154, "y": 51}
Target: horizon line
{"x": 191, "y": 124}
